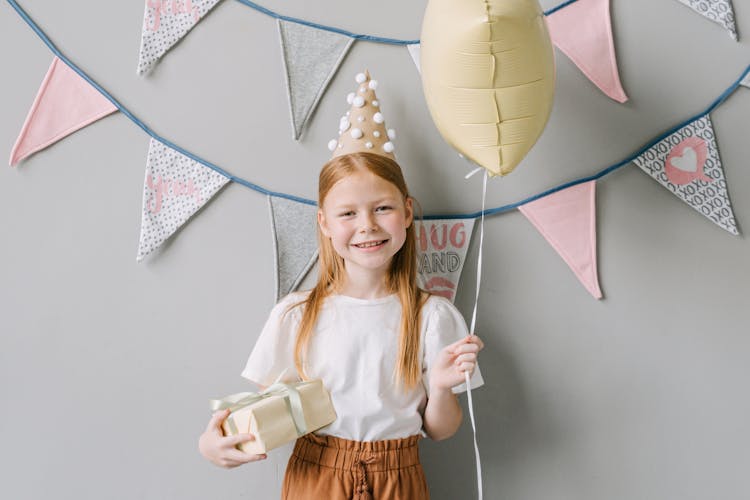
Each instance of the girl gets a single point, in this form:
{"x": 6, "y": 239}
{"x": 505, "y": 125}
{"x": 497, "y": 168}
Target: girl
{"x": 391, "y": 355}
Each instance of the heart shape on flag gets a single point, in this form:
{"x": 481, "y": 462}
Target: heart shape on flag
{"x": 688, "y": 162}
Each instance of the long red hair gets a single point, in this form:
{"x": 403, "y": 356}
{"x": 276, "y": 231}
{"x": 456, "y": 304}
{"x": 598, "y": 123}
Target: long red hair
{"x": 401, "y": 278}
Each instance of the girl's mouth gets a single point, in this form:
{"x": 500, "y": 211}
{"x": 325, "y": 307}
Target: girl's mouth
{"x": 371, "y": 245}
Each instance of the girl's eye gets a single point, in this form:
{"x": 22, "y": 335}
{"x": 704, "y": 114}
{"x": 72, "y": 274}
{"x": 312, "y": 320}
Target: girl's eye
{"x": 383, "y": 208}
{"x": 346, "y": 214}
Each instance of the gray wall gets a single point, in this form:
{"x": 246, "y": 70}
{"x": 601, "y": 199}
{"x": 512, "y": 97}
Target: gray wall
{"x": 106, "y": 365}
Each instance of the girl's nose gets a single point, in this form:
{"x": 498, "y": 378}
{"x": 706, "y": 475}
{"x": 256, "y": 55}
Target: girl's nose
{"x": 368, "y": 224}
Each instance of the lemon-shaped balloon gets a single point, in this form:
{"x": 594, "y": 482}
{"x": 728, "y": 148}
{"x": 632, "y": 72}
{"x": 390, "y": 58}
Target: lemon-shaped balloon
{"x": 488, "y": 73}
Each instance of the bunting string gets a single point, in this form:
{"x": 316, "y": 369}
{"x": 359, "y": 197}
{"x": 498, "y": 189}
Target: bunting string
{"x": 473, "y": 215}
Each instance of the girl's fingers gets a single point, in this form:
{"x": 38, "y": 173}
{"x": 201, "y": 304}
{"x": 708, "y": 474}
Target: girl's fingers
{"x": 468, "y": 357}
{"x": 217, "y": 419}
{"x": 238, "y": 439}
{"x": 240, "y": 457}
{"x": 463, "y": 348}
{"x": 467, "y": 367}
{"x": 476, "y": 340}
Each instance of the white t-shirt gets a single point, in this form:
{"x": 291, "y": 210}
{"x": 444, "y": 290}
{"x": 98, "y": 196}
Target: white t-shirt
{"x": 353, "y": 350}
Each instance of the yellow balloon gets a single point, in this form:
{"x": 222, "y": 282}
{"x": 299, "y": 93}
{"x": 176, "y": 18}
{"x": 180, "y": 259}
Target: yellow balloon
{"x": 488, "y": 73}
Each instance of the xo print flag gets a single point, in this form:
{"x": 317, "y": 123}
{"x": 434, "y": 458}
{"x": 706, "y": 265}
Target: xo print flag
{"x": 687, "y": 163}
{"x": 295, "y": 242}
{"x": 441, "y": 248}
{"x": 165, "y": 22}
{"x": 311, "y": 58}
{"x": 175, "y": 188}
{"x": 718, "y": 11}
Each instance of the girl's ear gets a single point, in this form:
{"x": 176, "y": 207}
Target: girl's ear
{"x": 322, "y": 224}
{"x": 409, "y": 206}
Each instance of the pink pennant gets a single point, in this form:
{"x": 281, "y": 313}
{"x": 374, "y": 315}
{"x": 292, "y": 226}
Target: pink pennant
{"x": 65, "y": 103}
{"x": 567, "y": 220}
{"x": 583, "y": 31}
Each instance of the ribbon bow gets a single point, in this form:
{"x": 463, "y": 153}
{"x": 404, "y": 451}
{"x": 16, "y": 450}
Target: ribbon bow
{"x": 242, "y": 400}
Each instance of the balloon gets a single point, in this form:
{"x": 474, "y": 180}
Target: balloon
{"x": 488, "y": 73}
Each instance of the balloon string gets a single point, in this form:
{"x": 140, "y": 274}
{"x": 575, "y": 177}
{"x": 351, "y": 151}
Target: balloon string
{"x": 471, "y": 330}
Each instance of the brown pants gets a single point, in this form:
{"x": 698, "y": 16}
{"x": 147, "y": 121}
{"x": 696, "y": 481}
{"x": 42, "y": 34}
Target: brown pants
{"x": 331, "y": 468}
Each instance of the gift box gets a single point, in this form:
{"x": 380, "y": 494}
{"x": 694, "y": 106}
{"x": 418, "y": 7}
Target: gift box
{"x": 279, "y": 414}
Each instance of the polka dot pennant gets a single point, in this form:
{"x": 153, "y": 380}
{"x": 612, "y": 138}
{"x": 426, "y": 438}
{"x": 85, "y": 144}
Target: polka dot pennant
{"x": 165, "y": 22}
{"x": 687, "y": 163}
{"x": 174, "y": 189}
{"x": 718, "y": 11}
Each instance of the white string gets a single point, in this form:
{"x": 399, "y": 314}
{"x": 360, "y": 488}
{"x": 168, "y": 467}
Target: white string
{"x": 471, "y": 330}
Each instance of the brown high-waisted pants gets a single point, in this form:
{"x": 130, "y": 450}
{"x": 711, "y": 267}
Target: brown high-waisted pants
{"x": 331, "y": 468}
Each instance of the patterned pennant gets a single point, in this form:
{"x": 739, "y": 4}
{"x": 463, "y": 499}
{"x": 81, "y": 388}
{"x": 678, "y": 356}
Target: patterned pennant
{"x": 415, "y": 52}
{"x": 311, "y": 58}
{"x": 442, "y": 246}
{"x": 567, "y": 220}
{"x": 175, "y": 188}
{"x": 295, "y": 242}
{"x": 64, "y": 104}
{"x": 583, "y": 31}
{"x": 718, "y": 11}
{"x": 687, "y": 163}
{"x": 165, "y": 22}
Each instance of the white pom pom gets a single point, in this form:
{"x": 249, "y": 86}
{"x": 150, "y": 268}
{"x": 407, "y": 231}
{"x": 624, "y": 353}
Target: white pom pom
{"x": 373, "y": 84}
{"x": 362, "y": 90}
{"x": 388, "y": 147}
{"x": 359, "y": 101}
{"x": 332, "y": 144}
{"x": 375, "y": 103}
{"x": 356, "y": 133}
{"x": 360, "y": 78}
{"x": 377, "y": 117}
{"x": 391, "y": 133}
{"x": 344, "y": 124}
{"x": 376, "y": 133}
{"x": 368, "y": 145}
{"x": 350, "y": 97}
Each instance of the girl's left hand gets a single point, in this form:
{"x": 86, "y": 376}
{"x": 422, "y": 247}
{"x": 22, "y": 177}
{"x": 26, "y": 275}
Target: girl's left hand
{"x": 453, "y": 360}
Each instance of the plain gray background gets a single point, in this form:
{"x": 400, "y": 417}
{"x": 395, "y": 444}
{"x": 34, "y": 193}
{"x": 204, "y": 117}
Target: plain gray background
{"x": 107, "y": 365}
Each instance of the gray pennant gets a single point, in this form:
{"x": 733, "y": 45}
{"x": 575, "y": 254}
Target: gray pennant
{"x": 441, "y": 252}
{"x": 311, "y": 58}
{"x": 165, "y": 23}
{"x": 718, "y": 11}
{"x": 687, "y": 163}
{"x": 295, "y": 242}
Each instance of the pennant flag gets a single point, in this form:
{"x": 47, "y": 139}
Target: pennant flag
{"x": 295, "y": 242}
{"x": 311, "y": 58}
{"x": 165, "y": 22}
{"x": 746, "y": 81}
{"x": 175, "y": 188}
{"x": 583, "y": 31}
{"x": 441, "y": 248}
{"x": 567, "y": 220}
{"x": 415, "y": 52}
{"x": 718, "y": 11}
{"x": 64, "y": 104}
{"x": 687, "y": 163}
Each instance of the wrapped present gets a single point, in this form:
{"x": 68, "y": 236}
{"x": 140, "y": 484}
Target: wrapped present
{"x": 277, "y": 415}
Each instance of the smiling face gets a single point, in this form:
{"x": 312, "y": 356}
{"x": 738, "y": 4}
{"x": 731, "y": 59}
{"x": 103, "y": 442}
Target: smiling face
{"x": 365, "y": 217}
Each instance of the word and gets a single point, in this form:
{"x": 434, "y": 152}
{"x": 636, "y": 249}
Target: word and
{"x": 173, "y": 7}
{"x": 165, "y": 188}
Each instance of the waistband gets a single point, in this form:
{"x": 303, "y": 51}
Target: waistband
{"x": 344, "y": 454}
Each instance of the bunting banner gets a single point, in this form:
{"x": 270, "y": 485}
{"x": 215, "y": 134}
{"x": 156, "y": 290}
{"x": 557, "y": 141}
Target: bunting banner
{"x": 441, "y": 246}
{"x": 567, "y": 220}
{"x": 64, "y": 104}
{"x": 414, "y": 52}
{"x": 174, "y": 189}
{"x": 718, "y": 11}
{"x": 687, "y": 163}
{"x": 583, "y": 32}
{"x": 311, "y": 59}
{"x": 295, "y": 242}
{"x": 165, "y": 22}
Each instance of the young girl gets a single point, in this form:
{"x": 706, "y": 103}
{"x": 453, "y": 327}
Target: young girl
{"x": 391, "y": 355}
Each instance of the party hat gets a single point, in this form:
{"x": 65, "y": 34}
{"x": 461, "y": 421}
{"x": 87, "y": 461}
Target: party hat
{"x": 362, "y": 129}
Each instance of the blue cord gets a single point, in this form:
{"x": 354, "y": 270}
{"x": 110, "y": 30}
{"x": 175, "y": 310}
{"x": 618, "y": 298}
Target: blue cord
{"x": 255, "y": 187}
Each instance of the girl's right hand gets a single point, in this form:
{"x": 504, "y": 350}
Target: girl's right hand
{"x": 219, "y": 449}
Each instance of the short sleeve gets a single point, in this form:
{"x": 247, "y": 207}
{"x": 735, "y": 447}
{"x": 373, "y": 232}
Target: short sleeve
{"x": 444, "y": 325}
{"x": 273, "y": 353}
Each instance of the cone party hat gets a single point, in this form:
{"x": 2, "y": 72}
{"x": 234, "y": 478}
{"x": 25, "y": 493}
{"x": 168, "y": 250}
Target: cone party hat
{"x": 362, "y": 129}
